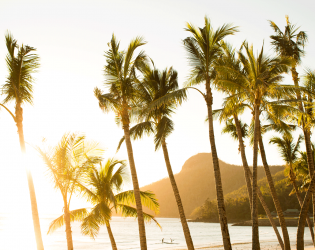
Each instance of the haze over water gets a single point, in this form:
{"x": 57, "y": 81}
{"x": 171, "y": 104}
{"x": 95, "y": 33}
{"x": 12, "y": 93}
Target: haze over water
{"x": 15, "y": 236}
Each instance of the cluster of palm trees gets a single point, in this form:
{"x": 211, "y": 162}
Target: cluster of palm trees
{"x": 138, "y": 92}
{"x": 75, "y": 166}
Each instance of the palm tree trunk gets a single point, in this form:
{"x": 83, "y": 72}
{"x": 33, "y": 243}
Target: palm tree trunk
{"x": 255, "y": 233}
{"x": 303, "y": 215}
{"x": 142, "y": 234}
{"x": 111, "y": 236}
{"x": 68, "y": 227}
{"x": 310, "y": 160}
{"x": 274, "y": 195}
{"x": 36, "y": 224}
{"x": 244, "y": 160}
{"x": 248, "y": 174}
{"x": 217, "y": 175}
{"x": 298, "y": 195}
{"x": 182, "y": 216}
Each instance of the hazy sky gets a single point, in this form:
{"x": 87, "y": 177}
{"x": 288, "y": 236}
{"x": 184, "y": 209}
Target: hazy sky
{"x": 71, "y": 37}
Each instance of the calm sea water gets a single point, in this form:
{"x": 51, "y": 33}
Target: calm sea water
{"x": 16, "y": 233}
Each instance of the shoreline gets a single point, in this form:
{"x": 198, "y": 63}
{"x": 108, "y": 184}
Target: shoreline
{"x": 262, "y": 222}
{"x": 264, "y": 245}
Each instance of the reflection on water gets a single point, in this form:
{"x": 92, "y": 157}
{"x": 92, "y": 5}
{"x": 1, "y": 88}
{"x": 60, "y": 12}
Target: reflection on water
{"x": 17, "y": 233}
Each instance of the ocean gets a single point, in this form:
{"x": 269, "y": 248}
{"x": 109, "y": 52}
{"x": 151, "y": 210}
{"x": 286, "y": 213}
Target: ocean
{"x": 16, "y": 233}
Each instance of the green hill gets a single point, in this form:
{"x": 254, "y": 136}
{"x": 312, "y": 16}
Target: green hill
{"x": 196, "y": 184}
{"x": 237, "y": 203}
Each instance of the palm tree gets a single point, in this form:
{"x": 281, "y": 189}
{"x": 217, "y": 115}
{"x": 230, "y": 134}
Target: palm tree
{"x": 285, "y": 46}
{"x": 289, "y": 152}
{"x": 256, "y": 81}
{"x": 290, "y": 43}
{"x": 21, "y": 63}
{"x": 66, "y": 165}
{"x": 101, "y": 189}
{"x": 156, "y": 85}
{"x": 120, "y": 72}
{"x": 203, "y": 49}
{"x": 307, "y": 118}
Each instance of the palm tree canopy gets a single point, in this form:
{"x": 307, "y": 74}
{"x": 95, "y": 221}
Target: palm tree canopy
{"x": 156, "y": 119}
{"x": 230, "y": 128}
{"x": 121, "y": 75}
{"x": 290, "y": 42}
{"x": 21, "y": 63}
{"x": 287, "y": 147}
{"x": 257, "y": 79}
{"x": 69, "y": 161}
{"x": 203, "y": 48}
{"x": 103, "y": 191}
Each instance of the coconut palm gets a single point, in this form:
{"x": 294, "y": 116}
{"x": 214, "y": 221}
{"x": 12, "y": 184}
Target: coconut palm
{"x": 155, "y": 85}
{"x": 121, "y": 76}
{"x": 66, "y": 165}
{"x": 102, "y": 189}
{"x": 232, "y": 109}
{"x": 257, "y": 81}
{"x": 290, "y": 43}
{"x": 203, "y": 48}
{"x": 22, "y": 62}
{"x": 289, "y": 153}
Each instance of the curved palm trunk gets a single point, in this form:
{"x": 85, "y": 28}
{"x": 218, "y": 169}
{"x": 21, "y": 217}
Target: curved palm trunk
{"x": 182, "y": 216}
{"x": 298, "y": 195}
{"x": 274, "y": 195}
{"x": 303, "y": 215}
{"x": 111, "y": 236}
{"x": 217, "y": 176}
{"x": 68, "y": 227}
{"x": 255, "y": 233}
{"x": 36, "y": 224}
{"x": 244, "y": 160}
{"x": 142, "y": 234}
{"x": 248, "y": 175}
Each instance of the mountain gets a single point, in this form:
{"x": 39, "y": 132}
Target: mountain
{"x": 196, "y": 184}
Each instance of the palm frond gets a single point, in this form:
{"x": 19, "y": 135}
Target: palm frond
{"x": 148, "y": 199}
{"x": 128, "y": 211}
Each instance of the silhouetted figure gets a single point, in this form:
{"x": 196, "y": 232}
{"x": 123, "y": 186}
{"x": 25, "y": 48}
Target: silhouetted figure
{"x": 163, "y": 240}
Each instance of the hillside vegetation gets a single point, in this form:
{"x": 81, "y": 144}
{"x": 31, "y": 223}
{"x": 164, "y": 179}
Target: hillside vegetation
{"x": 237, "y": 204}
{"x": 196, "y": 184}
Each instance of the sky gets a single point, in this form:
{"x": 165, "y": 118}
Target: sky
{"x": 71, "y": 38}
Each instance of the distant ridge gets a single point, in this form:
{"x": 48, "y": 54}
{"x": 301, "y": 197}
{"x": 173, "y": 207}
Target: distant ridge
{"x": 196, "y": 183}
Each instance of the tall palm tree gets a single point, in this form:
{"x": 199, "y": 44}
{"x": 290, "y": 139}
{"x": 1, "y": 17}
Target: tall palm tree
{"x": 289, "y": 152}
{"x": 290, "y": 43}
{"x": 203, "y": 48}
{"x": 307, "y": 123}
{"x": 121, "y": 76}
{"x": 66, "y": 165}
{"x": 102, "y": 189}
{"x": 22, "y": 62}
{"x": 155, "y": 85}
{"x": 256, "y": 81}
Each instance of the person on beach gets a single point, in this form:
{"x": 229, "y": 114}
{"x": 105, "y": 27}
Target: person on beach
{"x": 162, "y": 240}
